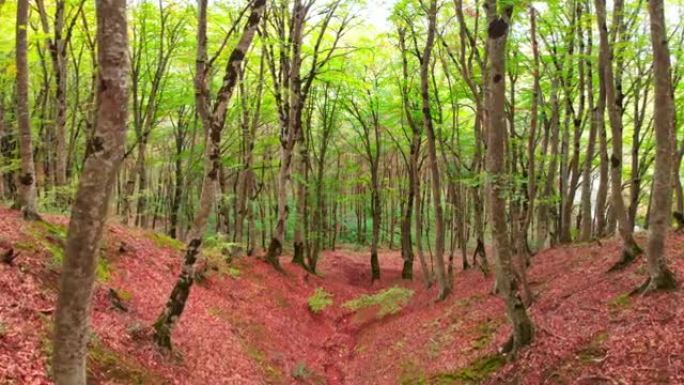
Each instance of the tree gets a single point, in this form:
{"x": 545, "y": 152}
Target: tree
{"x": 213, "y": 119}
{"x": 292, "y": 85}
{"x": 27, "y": 196}
{"x": 630, "y": 249}
{"x": 440, "y": 270}
{"x": 497, "y": 32}
{"x": 660, "y": 276}
{"x": 105, "y": 151}
{"x": 365, "y": 112}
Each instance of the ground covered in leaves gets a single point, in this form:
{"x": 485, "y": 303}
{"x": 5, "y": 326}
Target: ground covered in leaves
{"x": 246, "y": 324}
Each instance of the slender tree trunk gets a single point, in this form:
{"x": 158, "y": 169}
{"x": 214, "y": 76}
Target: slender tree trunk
{"x": 532, "y": 134}
{"x": 543, "y": 225}
{"x": 630, "y": 249}
{"x": 300, "y": 225}
{"x": 660, "y": 276}
{"x": 587, "y": 220}
{"x": 498, "y": 26}
{"x": 376, "y": 217}
{"x": 103, "y": 158}
{"x": 27, "y": 181}
{"x": 598, "y": 119}
{"x": 213, "y": 121}
{"x": 440, "y": 270}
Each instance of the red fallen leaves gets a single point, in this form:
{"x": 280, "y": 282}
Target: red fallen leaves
{"x": 21, "y": 321}
{"x": 257, "y": 328}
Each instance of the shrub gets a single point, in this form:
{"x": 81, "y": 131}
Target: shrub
{"x": 390, "y": 301}
{"x": 319, "y": 300}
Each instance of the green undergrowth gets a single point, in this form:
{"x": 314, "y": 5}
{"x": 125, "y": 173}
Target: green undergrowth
{"x": 594, "y": 350}
{"x": 389, "y": 301}
{"x": 319, "y": 300}
{"x": 301, "y": 372}
{"x": 51, "y": 238}
{"x": 478, "y": 371}
{"x": 619, "y": 303}
{"x": 104, "y": 362}
{"x": 164, "y": 241}
{"x": 485, "y": 332}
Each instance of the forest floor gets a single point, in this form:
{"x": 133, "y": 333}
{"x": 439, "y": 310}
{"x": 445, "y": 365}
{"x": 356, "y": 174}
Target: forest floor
{"x": 247, "y": 324}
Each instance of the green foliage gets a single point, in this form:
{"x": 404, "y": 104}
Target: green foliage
{"x": 389, "y": 301}
{"x": 319, "y": 300}
{"x": 164, "y": 241}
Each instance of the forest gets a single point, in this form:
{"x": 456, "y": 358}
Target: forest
{"x": 341, "y": 192}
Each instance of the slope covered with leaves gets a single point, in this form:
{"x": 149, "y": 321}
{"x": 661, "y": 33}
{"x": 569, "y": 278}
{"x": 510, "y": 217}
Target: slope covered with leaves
{"x": 246, "y": 324}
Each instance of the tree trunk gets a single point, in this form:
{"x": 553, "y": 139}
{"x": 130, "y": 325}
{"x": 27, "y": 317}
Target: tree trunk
{"x": 599, "y": 119}
{"x": 543, "y": 225}
{"x": 27, "y": 181}
{"x": 300, "y": 225}
{"x": 587, "y": 220}
{"x": 630, "y": 249}
{"x": 213, "y": 121}
{"x": 103, "y": 158}
{"x": 498, "y": 25}
{"x": 440, "y": 271}
{"x": 660, "y": 276}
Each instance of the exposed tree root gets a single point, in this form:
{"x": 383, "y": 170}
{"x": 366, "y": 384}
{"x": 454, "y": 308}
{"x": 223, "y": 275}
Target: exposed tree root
{"x": 628, "y": 256}
{"x": 274, "y": 250}
{"x": 664, "y": 282}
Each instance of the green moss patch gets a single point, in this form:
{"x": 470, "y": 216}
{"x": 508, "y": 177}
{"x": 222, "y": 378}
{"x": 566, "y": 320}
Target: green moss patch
{"x": 475, "y": 373}
{"x": 619, "y": 303}
{"x": 164, "y": 241}
{"x": 105, "y": 363}
{"x": 485, "y": 332}
{"x": 594, "y": 350}
{"x": 51, "y": 238}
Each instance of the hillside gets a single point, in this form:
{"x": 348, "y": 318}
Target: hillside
{"x": 246, "y": 324}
